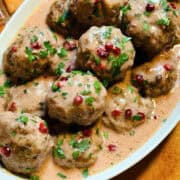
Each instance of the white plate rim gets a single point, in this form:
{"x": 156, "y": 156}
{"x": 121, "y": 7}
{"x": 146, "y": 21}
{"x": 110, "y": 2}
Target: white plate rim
{"x": 8, "y": 34}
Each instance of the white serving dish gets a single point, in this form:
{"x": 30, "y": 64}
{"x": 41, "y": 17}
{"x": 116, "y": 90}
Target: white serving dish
{"x": 8, "y": 34}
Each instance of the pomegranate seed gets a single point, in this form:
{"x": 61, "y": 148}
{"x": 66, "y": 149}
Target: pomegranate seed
{"x": 42, "y": 128}
{"x": 109, "y": 46}
{"x": 112, "y": 147}
{"x": 172, "y": 5}
{"x": 59, "y": 84}
{"x": 139, "y": 78}
{"x": 63, "y": 78}
{"x": 78, "y": 100}
{"x": 116, "y": 113}
{"x": 69, "y": 69}
{"x": 36, "y": 45}
{"x": 102, "y": 66}
{"x": 14, "y": 49}
{"x": 13, "y": 107}
{"x": 102, "y": 52}
{"x": 117, "y": 51}
{"x": 87, "y": 132}
{"x": 155, "y": 117}
{"x": 6, "y": 151}
{"x": 70, "y": 45}
{"x": 150, "y": 7}
{"x": 128, "y": 113}
{"x": 142, "y": 115}
{"x": 167, "y": 67}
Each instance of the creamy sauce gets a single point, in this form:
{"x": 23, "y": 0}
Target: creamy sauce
{"x": 126, "y": 143}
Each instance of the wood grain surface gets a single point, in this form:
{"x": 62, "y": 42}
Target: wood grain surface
{"x": 162, "y": 164}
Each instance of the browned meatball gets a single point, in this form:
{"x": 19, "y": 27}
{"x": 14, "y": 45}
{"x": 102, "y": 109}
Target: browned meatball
{"x": 61, "y": 20}
{"x": 95, "y": 12}
{"x": 76, "y": 98}
{"x": 157, "y": 77}
{"x": 106, "y": 51}
{"x": 28, "y": 56}
{"x": 78, "y": 150}
{"x": 24, "y": 142}
{"x": 31, "y": 97}
{"x": 149, "y": 24}
{"x": 125, "y": 108}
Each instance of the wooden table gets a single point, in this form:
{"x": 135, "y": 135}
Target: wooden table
{"x": 162, "y": 164}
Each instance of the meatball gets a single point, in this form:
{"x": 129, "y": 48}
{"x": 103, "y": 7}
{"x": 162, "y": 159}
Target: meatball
{"x": 125, "y": 108}
{"x": 61, "y": 20}
{"x": 78, "y": 150}
{"x": 76, "y": 98}
{"x": 105, "y": 51}
{"x": 28, "y": 56}
{"x": 65, "y": 59}
{"x": 157, "y": 77}
{"x": 97, "y": 13}
{"x": 31, "y": 97}
{"x": 24, "y": 142}
{"x": 149, "y": 24}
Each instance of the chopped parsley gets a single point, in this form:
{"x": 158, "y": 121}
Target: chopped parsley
{"x": 130, "y": 89}
{"x": 107, "y": 33}
{"x": 86, "y": 92}
{"x": 89, "y": 101}
{"x": 124, "y": 40}
{"x": 146, "y": 26}
{"x": 97, "y": 86}
{"x": 2, "y": 91}
{"x": 105, "y": 134}
{"x": 97, "y": 60}
{"x": 82, "y": 145}
{"x": 116, "y": 90}
{"x": 137, "y": 118}
{"x": 23, "y": 119}
{"x": 62, "y": 176}
{"x": 125, "y": 9}
{"x": 58, "y": 152}
{"x": 34, "y": 177}
{"x": 43, "y": 54}
{"x": 63, "y": 17}
{"x": 63, "y": 53}
{"x": 59, "y": 69}
{"x": 30, "y": 55}
{"x": 34, "y": 39}
{"x": 49, "y": 48}
{"x": 7, "y": 83}
{"x": 13, "y": 133}
{"x": 75, "y": 154}
{"x": 164, "y": 21}
{"x": 85, "y": 173}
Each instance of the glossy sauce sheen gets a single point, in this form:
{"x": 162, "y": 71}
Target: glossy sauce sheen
{"x": 125, "y": 143}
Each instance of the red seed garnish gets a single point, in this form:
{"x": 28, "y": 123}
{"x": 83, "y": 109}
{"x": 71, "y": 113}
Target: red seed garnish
{"x": 14, "y": 49}
{"x": 142, "y": 115}
{"x": 86, "y": 132}
{"x": 116, "y": 51}
{"x": 102, "y": 66}
{"x": 102, "y": 52}
{"x": 69, "y": 68}
{"x": 78, "y": 100}
{"x": 36, "y": 45}
{"x": 155, "y": 117}
{"x": 172, "y": 5}
{"x": 59, "y": 84}
{"x": 150, "y": 7}
{"x": 109, "y": 46}
{"x": 128, "y": 113}
{"x": 63, "y": 78}
{"x": 70, "y": 45}
{"x": 167, "y": 67}
{"x": 6, "y": 151}
{"x": 139, "y": 79}
{"x": 116, "y": 113}
{"x": 112, "y": 147}
{"x": 13, "y": 107}
{"x": 42, "y": 128}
